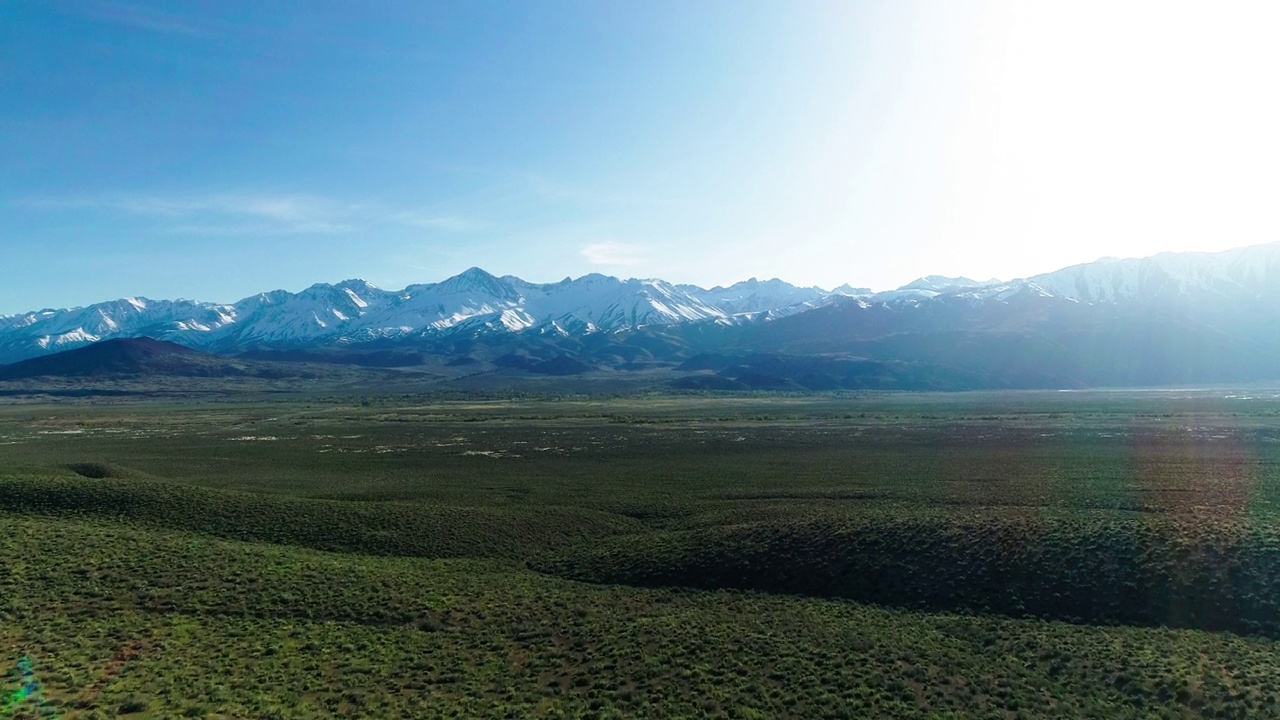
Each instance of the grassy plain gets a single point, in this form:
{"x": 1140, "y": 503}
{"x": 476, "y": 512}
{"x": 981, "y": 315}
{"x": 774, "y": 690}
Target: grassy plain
{"x": 966, "y": 555}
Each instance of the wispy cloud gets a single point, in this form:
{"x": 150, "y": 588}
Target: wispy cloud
{"x": 149, "y": 19}
{"x": 257, "y": 230}
{"x": 270, "y": 214}
{"x": 447, "y": 223}
{"x": 613, "y": 254}
{"x": 256, "y": 213}
{"x": 553, "y": 190}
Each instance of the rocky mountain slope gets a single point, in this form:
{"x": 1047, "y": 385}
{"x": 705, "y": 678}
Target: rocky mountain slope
{"x": 1171, "y": 318}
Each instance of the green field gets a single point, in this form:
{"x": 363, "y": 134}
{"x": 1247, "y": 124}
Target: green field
{"x": 1018, "y": 555}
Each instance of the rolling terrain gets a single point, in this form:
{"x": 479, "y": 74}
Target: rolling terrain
{"x": 1104, "y": 554}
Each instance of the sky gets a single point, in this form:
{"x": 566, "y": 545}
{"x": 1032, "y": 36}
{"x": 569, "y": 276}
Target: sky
{"x": 215, "y": 149}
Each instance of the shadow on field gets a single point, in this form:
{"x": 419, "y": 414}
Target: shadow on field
{"x": 1095, "y": 568}
{"x": 97, "y": 471}
{"x": 1203, "y": 571}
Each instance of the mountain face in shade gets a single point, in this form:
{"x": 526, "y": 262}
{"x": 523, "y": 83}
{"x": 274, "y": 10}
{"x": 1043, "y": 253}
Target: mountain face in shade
{"x": 1171, "y": 318}
{"x": 127, "y": 357}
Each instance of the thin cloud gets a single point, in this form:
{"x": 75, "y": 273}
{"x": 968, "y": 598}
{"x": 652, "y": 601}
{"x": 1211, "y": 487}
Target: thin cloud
{"x": 149, "y": 19}
{"x": 255, "y": 214}
{"x": 222, "y": 213}
{"x": 262, "y": 229}
{"x": 613, "y": 254}
{"x": 552, "y": 190}
{"x": 446, "y": 223}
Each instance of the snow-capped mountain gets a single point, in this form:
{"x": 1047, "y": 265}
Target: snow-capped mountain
{"x": 851, "y": 291}
{"x": 1249, "y": 273}
{"x": 599, "y": 302}
{"x": 932, "y": 286}
{"x": 1241, "y": 283}
{"x": 354, "y": 311}
{"x": 43, "y": 331}
{"x": 754, "y": 296}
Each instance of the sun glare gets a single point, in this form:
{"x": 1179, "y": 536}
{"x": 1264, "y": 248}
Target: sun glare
{"x": 1146, "y": 126}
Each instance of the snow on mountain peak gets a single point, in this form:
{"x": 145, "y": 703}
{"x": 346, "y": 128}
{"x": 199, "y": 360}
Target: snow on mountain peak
{"x": 1242, "y": 273}
{"x": 942, "y": 283}
{"x": 477, "y": 301}
{"x": 356, "y": 299}
{"x": 847, "y": 289}
{"x": 476, "y": 280}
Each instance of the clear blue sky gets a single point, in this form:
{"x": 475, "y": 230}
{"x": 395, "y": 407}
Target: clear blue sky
{"x": 211, "y": 150}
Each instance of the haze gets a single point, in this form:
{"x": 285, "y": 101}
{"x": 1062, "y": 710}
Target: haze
{"x": 214, "y": 150}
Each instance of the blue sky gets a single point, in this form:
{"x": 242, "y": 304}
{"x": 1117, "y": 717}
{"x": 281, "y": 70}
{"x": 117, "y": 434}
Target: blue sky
{"x": 211, "y": 150}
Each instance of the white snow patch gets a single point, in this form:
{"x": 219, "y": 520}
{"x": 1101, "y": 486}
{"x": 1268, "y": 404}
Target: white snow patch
{"x": 75, "y": 336}
{"x": 356, "y": 300}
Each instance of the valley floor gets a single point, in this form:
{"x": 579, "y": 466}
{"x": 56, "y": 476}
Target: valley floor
{"x": 1074, "y": 555}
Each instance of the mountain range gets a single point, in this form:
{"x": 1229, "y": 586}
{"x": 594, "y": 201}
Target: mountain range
{"x": 1170, "y": 318}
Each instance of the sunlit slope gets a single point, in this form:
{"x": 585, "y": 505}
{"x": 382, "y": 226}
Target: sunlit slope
{"x": 143, "y": 623}
{"x": 372, "y": 528}
{"x": 1177, "y": 567}
{"x": 839, "y": 556}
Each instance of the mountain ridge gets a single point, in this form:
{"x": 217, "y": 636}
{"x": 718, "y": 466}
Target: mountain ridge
{"x": 1230, "y": 298}
{"x": 125, "y": 357}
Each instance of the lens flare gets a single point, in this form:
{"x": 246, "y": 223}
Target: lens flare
{"x": 27, "y": 694}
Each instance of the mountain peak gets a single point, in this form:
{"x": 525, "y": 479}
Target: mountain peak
{"x": 847, "y": 289}
{"x": 938, "y": 283}
{"x": 472, "y": 276}
{"x": 478, "y": 280}
{"x": 354, "y": 311}
{"x": 1243, "y": 273}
